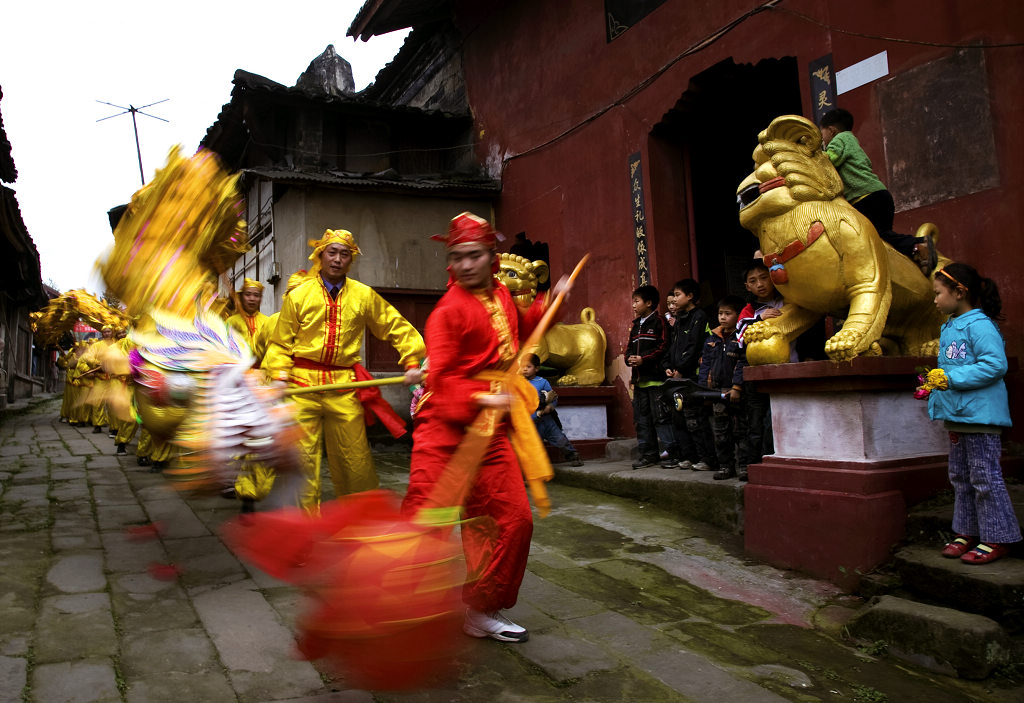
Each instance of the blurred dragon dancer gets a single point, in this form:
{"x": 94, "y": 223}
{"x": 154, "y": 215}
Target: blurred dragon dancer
{"x": 317, "y": 341}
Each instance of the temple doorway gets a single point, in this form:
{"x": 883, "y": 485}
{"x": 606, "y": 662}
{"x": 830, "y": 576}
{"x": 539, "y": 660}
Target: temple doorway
{"x": 713, "y": 128}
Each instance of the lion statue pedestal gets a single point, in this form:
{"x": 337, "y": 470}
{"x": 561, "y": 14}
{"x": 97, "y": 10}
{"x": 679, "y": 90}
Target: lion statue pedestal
{"x": 853, "y": 450}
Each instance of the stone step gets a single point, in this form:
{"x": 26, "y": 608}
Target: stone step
{"x": 995, "y": 590}
{"x": 932, "y": 522}
{"x": 694, "y": 494}
{"x": 943, "y": 640}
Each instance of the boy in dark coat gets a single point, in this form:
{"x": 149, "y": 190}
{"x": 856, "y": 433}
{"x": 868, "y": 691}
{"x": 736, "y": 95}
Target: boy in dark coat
{"x": 721, "y": 368}
{"x": 644, "y": 351}
{"x": 682, "y": 361}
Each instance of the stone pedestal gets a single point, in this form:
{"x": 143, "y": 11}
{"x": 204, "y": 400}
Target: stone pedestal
{"x": 583, "y": 411}
{"x": 853, "y": 449}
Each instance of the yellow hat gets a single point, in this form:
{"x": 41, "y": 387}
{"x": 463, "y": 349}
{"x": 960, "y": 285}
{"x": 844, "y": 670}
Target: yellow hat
{"x": 250, "y": 283}
{"x": 331, "y": 236}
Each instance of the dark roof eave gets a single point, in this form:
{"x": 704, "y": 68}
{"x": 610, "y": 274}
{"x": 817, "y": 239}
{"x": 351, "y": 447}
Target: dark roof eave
{"x": 378, "y": 17}
{"x": 426, "y": 186}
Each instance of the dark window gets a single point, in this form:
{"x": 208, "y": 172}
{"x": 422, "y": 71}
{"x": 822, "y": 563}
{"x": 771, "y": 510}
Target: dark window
{"x": 620, "y": 15}
{"x": 415, "y": 306}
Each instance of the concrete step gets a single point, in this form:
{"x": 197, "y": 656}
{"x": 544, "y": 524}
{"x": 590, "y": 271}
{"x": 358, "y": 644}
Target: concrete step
{"x": 939, "y": 639}
{"x": 932, "y": 521}
{"x": 694, "y": 494}
{"x": 995, "y": 590}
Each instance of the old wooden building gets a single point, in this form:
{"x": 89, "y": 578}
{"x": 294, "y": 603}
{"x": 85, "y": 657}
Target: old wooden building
{"x": 392, "y": 169}
{"x": 22, "y": 370}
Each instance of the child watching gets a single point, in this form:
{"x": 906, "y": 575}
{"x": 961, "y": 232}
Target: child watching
{"x": 721, "y": 368}
{"x": 670, "y": 310}
{"x": 686, "y": 339}
{"x": 546, "y": 419}
{"x": 970, "y": 398}
{"x": 866, "y": 192}
{"x": 644, "y": 350}
{"x": 757, "y": 407}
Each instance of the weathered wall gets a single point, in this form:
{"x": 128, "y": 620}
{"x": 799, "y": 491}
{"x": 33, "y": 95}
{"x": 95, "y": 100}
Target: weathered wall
{"x": 559, "y": 110}
{"x": 393, "y": 232}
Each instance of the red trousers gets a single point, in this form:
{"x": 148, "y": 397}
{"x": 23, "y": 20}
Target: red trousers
{"x": 496, "y": 544}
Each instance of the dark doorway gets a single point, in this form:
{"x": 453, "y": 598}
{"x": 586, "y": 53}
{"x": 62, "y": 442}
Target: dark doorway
{"x": 714, "y": 129}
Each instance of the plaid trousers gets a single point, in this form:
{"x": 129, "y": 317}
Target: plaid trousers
{"x": 983, "y": 508}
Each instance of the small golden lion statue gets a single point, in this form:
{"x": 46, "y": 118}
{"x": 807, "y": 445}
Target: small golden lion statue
{"x": 825, "y": 258}
{"x": 578, "y": 350}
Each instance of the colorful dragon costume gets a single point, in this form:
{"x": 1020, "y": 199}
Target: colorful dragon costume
{"x": 194, "y": 385}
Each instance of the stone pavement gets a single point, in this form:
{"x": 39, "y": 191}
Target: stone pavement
{"x": 625, "y": 602}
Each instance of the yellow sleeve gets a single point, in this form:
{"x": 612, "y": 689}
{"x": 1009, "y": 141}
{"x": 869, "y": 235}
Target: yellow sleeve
{"x": 387, "y": 324}
{"x": 236, "y": 322}
{"x": 262, "y": 340}
{"x": 278, "y": 358}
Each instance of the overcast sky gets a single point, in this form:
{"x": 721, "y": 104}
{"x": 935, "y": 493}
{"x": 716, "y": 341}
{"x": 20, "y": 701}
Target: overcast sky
{"x": 58, "y": 58}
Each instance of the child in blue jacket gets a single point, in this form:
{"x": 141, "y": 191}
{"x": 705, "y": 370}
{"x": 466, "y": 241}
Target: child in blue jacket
{"x": 970, "y": 397}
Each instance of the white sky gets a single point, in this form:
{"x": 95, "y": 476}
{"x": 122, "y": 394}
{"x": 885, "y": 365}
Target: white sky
{"x": 58, "y": 58}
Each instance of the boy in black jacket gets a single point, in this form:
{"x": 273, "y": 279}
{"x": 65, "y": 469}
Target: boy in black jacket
{"x": 644, "y": 350}
{"x": 721, "y": 368}
{"x": 686, "y": 340}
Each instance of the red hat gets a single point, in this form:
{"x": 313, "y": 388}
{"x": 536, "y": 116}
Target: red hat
{"x": 467, "y": 228}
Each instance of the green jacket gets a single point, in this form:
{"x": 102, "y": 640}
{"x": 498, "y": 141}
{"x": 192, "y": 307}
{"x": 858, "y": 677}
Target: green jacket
{"x": 854, "y": 167}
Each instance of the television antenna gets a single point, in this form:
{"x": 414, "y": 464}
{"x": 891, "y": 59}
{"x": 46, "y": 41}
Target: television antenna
{"x": 132, "y": 109}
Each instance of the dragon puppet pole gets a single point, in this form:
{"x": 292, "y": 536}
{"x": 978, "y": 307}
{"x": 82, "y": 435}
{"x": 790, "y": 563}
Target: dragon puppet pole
{"x": 456, "y": 480}
{"x": 390, "y": 381}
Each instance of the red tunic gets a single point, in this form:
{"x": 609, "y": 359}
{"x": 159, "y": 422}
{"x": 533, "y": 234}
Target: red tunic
{"x": 463, "y": 339}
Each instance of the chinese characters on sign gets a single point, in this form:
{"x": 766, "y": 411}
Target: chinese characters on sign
{"x": 823, "y": 86}
{"x": 636, "y": 185}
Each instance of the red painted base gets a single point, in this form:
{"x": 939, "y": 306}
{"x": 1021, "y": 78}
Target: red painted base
{"x": 832, "y": 520}
{"x": 588, "y": 449}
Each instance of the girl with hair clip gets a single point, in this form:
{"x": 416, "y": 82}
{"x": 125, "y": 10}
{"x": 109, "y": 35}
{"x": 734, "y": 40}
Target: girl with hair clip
{"x": 972, "y": 402}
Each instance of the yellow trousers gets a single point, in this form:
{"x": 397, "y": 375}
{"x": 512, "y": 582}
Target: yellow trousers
{"x": 334, "y": 420}
{"x": 126, "y": 430}
{"x": 255, "y": 479}
{"x": 65, "y": 405}
{"x": 79, "y": 410}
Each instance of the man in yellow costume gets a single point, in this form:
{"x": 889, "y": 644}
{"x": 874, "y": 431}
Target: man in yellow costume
{"x": 249, "y": 320}
{"x": 317, "y": 341}
{"x": 90, "y": 367}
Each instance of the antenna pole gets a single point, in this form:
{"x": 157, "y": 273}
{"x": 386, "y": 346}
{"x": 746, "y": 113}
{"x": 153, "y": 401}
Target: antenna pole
{"x": 138, "y": 149}
{"x": 135, "y": 126}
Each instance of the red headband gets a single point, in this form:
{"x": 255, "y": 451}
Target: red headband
{"x": 467, "y": 228}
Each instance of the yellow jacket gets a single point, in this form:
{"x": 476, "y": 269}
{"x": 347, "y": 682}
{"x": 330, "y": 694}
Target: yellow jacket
{"x": 248, "y": 325}
{"x": 328, "y": 334}
{"x": 262, "y": 338}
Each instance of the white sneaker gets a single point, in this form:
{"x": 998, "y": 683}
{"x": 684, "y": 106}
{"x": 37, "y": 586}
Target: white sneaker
{"x": 493, "y": 625}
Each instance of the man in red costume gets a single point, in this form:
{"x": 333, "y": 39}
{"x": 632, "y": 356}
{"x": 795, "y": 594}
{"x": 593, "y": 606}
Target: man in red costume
{"x": 474, "y": 332}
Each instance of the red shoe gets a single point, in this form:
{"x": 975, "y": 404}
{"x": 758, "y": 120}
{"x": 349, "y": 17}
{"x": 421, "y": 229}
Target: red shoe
{"x": 985, "y": 553}
{"x": 959, "y": 546}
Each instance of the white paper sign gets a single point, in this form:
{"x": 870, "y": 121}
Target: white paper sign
{"x": 862, "y": 72}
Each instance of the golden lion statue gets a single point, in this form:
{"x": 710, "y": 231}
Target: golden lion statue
{"x": 578, "y": 350}
{"x": 825, "y": 258}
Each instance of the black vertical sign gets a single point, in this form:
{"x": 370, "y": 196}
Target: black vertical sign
{"x": 639, "y": 224}
{"x": 823, "y": 86}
